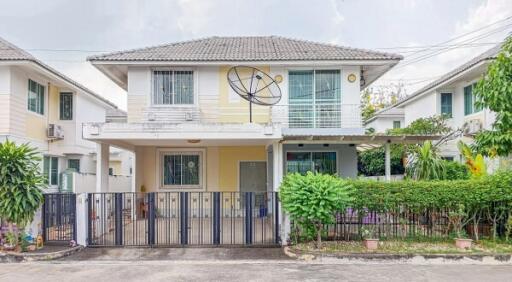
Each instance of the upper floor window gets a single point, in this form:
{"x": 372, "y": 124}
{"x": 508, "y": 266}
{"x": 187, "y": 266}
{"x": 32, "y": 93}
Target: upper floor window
{"x": 396, "y": 124}
{"x": 446, "y": 104}
{"x": 66, "y": 106}
{"x": 74, "y": 164}
{"x": 315, "y": 98}
{"x": 35, "y": 97}
{"x": 173, "y": 87}
{"x": 469, "y": 101}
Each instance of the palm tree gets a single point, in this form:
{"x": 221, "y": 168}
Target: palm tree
{"x": 424, "y": 163}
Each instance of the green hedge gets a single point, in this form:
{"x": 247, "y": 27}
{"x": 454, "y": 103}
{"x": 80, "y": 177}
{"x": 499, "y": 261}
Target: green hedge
{"x": 473, "y": 194}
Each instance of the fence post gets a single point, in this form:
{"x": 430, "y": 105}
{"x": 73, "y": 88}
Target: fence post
{"x": 216, "y": 218}
{"x": 151, "y": 218}
{"x": 83, "y": 228}
{"x": 184, "y": 217}
{"x": 248, "y": 218}
{"x": 276, "y": 216}
{"x": 90, "y": 201}
{"x": 118, "y": 197}
{"x": 44, "y": 215}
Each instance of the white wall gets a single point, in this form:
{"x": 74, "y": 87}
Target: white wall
{"x": 423, "y": 107}
{"x": 86, "y": 183}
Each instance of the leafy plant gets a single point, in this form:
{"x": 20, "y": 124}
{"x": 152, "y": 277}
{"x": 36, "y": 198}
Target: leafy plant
{"x": 494, "y": 91}
{"x": 11, "y": 239}
{"x": 456, "y": 218}
{"x": 21, "y": 183}
{"x": 312, "y": 200}
{"x": 474, "y": 162}
{"x": 455, "y": 171}
{"x": 368, "y": 232}
{"x": 371, "y": 162}
{"x": 433, "y": 125}
{"x": 425, "y": 163}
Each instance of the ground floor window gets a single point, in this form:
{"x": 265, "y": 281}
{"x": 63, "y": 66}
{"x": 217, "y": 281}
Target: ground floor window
{"x": 302, "y": 162}
{"x": 74, "y": 164}
{"x": 51, "y": 170}
{"x": 181, "y": 169}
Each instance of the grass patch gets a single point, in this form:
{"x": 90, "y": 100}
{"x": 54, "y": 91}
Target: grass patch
{"x": 406, "y": 246}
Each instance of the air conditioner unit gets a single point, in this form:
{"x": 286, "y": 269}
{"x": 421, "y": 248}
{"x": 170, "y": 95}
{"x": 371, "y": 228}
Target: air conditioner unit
{"x": 55, "y": 132}
{"x": 473, "y": 127}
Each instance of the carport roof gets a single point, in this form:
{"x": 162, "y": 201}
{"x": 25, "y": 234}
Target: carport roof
{"x": 365, "y": 139}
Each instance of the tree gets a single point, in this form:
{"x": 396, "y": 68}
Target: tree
{"x": 494, "y": 91}
{"x": 475, "y": 162}
{"x": 371, "y": 162}
{"x": 21, "y": 183}
{"x": 312, "y": 200}
{"x": 433, "y": 125}
{"x": 425, "y": 163}
{"x": 375, "y": 99}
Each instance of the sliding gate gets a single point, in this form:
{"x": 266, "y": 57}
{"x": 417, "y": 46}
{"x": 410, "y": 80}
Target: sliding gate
{"x": 183, "y": 218}
{"x": 59, "y": 220}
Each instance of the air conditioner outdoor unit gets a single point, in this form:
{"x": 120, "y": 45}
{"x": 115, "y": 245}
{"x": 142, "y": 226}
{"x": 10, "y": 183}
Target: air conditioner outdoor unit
{"x": 473, "y": 127}
{"x": 55, "y": 132}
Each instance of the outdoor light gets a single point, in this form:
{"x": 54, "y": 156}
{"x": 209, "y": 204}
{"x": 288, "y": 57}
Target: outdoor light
{"x": 193, "y": 141}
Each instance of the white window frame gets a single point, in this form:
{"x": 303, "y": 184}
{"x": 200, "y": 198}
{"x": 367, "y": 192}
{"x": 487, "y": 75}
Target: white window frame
{"x": 50, "y": 170}
{"x": 195, "y": 84}
{"x": 161, "y": 152}
{"x": 311, "y": 151}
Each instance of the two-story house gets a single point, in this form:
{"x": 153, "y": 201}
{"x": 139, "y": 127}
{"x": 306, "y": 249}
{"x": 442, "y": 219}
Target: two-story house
{"x": 191, "y": 132}
{"x": 45, "y": 108}
{"x": 450, "y": 95}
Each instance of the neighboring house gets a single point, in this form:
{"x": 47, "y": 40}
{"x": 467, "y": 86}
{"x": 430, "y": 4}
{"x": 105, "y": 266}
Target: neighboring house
{"x": 385, "y": 119}
{"x": 190, "y": 132}
{"x": 451, "y": 95}
{"x": 45, "y": 108}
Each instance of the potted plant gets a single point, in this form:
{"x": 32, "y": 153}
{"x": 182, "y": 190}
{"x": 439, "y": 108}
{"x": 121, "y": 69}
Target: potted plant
{"x": 370, "y": 240}
{"x": 10, "y": 241}
{"x": 456, "y": 218}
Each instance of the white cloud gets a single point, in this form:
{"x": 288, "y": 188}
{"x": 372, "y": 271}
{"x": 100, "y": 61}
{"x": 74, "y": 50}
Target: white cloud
{"x": 477, "y": 17}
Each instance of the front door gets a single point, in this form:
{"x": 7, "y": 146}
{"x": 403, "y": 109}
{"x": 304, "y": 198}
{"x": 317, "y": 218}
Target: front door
{"x": 253, "y": 176}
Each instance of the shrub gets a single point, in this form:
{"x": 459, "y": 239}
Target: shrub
{"x": 455, "y": 171}
{"x": 21, "y": 182}
{"x": 312, "y": 200}
{"x": 425, "y": 163}
{"x": 371, "y": 162}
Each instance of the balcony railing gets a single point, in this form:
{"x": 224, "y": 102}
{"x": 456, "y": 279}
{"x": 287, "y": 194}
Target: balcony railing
{"x": 289, "y": 115}
{"x": 317, "y": 115}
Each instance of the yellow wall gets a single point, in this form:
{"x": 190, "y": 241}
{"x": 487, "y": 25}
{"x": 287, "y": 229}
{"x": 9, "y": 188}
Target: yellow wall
{"x": 36, "y": 124}
{"x": 239, "y": 112}
{"x": 116, "y": 167}
{"x": 222, "y": 166}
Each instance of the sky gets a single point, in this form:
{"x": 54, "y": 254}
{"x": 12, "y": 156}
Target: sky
{"x": 63, "y": 33}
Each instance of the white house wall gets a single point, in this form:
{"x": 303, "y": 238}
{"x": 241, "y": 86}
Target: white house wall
{"x": 422, "y": 107}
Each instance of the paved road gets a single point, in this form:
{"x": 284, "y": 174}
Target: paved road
{"x": 95, "y": 271}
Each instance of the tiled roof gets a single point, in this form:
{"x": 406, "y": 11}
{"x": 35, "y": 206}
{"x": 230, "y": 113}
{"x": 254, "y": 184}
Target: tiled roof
{"x": 10, "y": 52}
{"x": 487, "y": 55}
{"x": 247, "y": 48}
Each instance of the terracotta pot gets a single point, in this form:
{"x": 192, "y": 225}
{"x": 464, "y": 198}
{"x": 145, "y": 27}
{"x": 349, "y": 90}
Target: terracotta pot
{"x": 371, "y": 244}
{"x": 463, "y": 243}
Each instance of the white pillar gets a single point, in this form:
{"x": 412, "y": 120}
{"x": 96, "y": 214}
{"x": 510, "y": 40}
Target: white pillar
{"x": 387, "y": 161}
{"x": 102, "y": 165}
{"x": 278, "y": 171}
{"x": 81, "y": 219}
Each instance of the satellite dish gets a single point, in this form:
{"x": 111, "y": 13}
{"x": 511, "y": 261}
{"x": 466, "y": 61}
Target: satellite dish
{"x": 254, "y": 86}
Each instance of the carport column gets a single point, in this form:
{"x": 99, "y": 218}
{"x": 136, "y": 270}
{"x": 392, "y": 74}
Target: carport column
{"x": 278, "y": 173}
{"x": 81, "y": 219}
{"x": 387, "y": 161}
{"x": 102, "y": 164}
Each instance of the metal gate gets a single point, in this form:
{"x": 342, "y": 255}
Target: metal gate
{"x": 59, "y": 217}
{"x": 183, "y": 218}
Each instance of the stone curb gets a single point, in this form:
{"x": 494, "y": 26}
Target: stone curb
{"x": 10, "y": 257}
{"x": 404, "y": 258}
